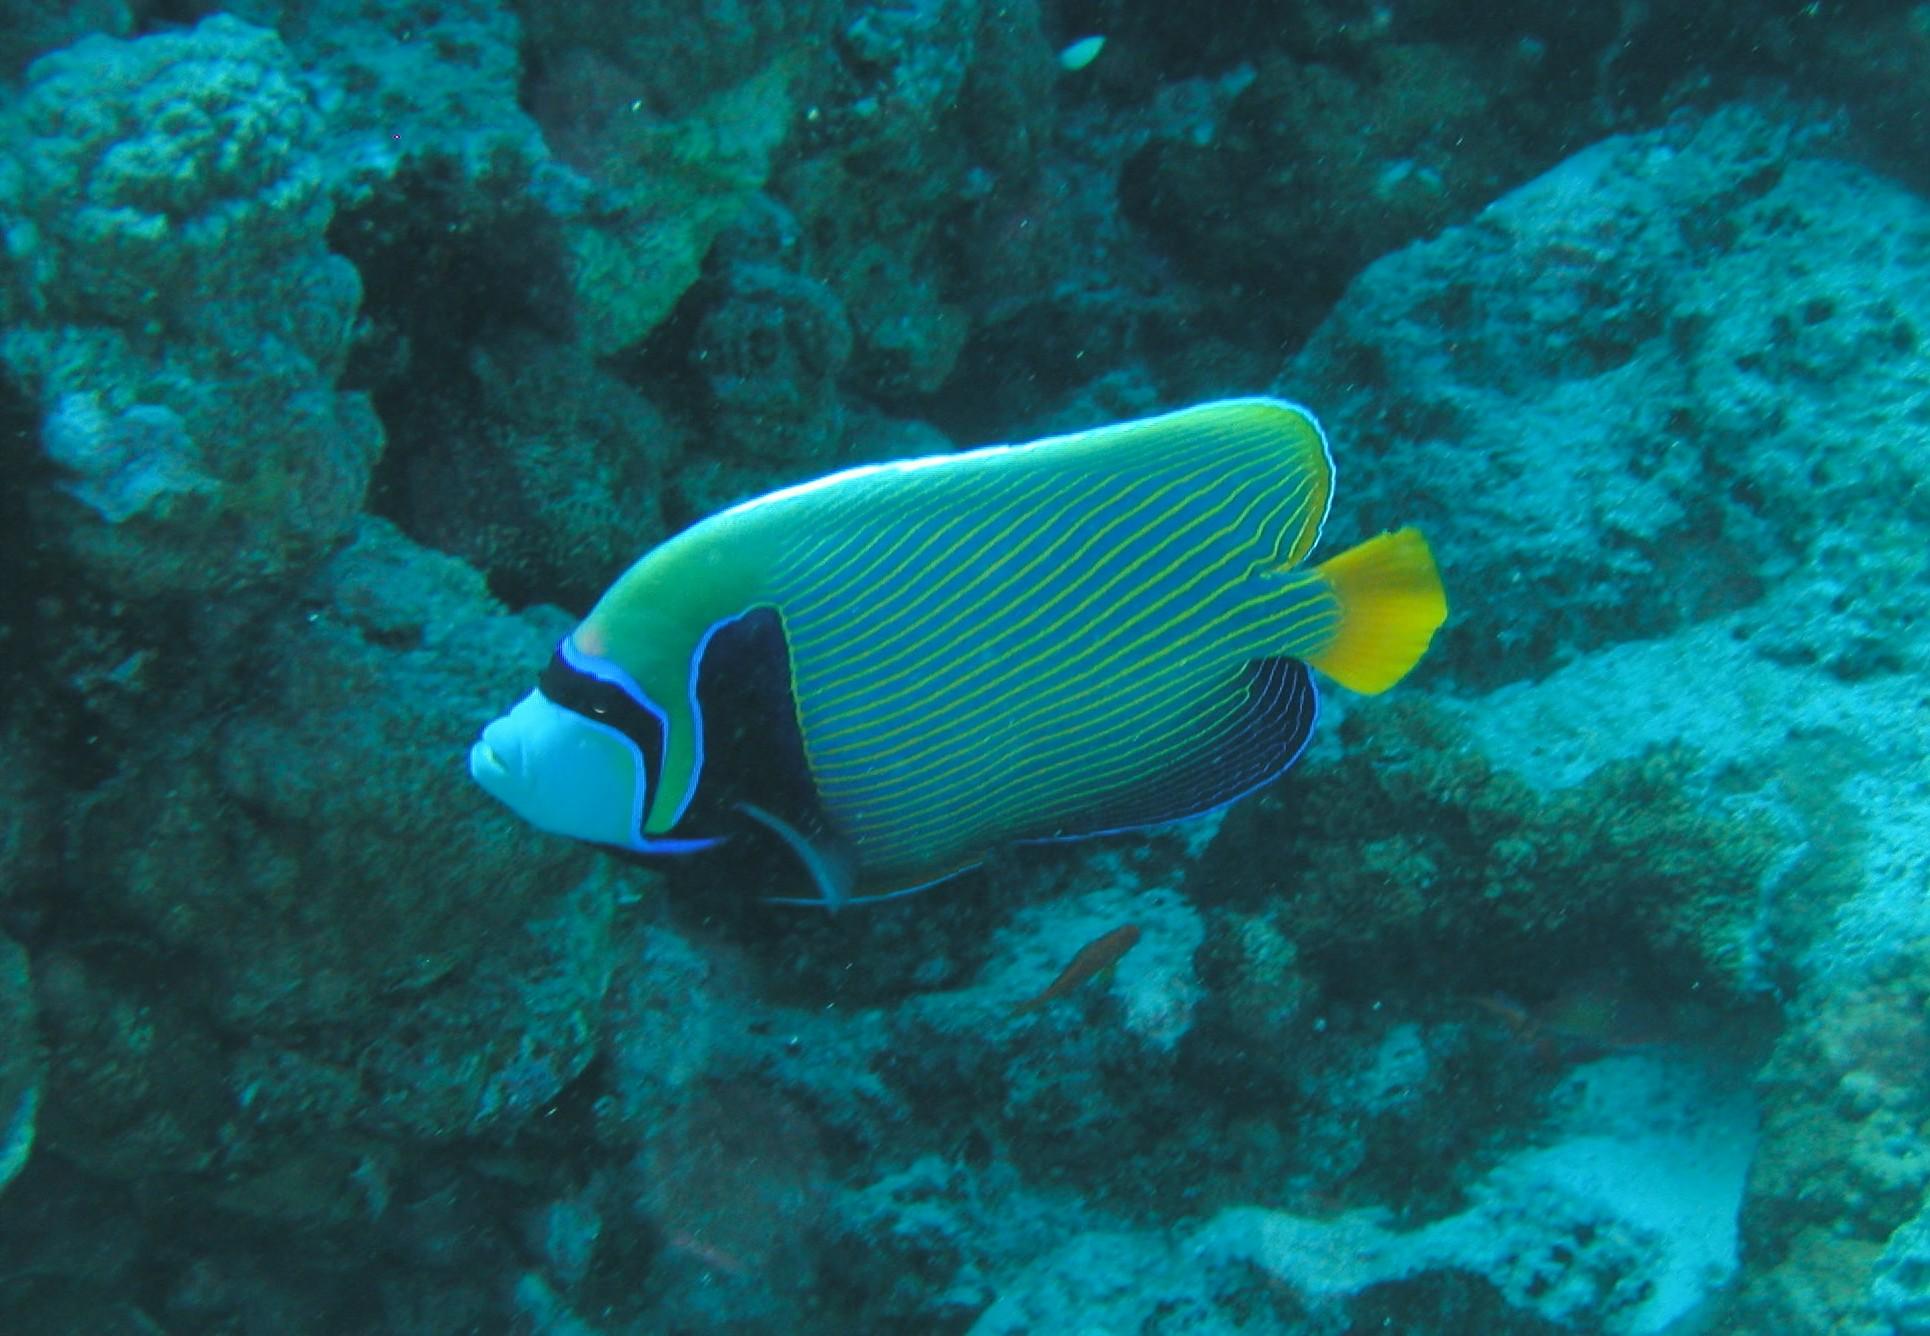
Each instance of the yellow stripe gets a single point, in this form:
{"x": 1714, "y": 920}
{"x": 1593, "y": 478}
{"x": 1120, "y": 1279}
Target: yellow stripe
{"x": 1016, "y": 778}
{"x": 873, "y": 637}
{"x": 1270, "y": 629}
{"x": 832, "y": 531}
{"x": 1035, "y": 801}
{"x": 1039, "y": 752}
{"x": 1173, "y": 708}
{"x": 806, "y": 592}
{"x": 1028, "y": 807}
{"x": 961, "y": 689}
{"x": 1002, "y": 733}
{"x": 1159, "y": 699}
{"x": 1019, "y": 489}
{"x": 829, "y": 694}
{"x": 964, "y": 687}
{"x": 961, "y": 696}
{"x": 1120, "y": 482}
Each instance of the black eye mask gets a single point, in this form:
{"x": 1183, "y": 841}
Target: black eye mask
{"x": 610, "y": 704}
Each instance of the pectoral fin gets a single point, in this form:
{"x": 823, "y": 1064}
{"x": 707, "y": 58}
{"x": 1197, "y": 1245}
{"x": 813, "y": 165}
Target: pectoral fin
{"x": 828, "y": 861}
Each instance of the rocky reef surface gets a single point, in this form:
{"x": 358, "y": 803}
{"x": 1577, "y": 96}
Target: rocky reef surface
{"x": 349, "y": 347}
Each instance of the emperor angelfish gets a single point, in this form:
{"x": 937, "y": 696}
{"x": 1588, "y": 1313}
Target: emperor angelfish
{"x": 1084, "y": 634}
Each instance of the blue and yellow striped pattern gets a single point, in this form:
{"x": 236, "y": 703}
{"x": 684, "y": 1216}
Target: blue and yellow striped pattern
{"x": 1088, "y": 632}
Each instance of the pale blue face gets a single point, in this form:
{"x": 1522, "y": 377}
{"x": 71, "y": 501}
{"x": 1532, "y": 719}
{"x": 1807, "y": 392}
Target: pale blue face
{"x": 564, "y": 772}
{"x": 578, "y": 756}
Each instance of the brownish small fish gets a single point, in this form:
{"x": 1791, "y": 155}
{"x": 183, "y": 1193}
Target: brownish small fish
{"x": 1589, "y": 1016}
{"x": 708, "y": 1254}
{"x": 1096, "y": 955}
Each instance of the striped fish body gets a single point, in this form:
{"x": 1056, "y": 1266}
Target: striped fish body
{"x": 1014, "y": 648}
{"x": 1092, "y": 632}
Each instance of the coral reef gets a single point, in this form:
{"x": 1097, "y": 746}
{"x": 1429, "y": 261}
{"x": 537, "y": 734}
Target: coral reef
{"x": 1900, "y": 1293}
{"x": 769, "y": 349}
{"x": 1678, "y": 308}
{"x": 1578, "y": 985}
{"x": 20, "y": 1070}
{"x": 1843, "y": 1167}
{"x": 1609, "y": 1226}
{"x": 447, "y": 71}
{"x": 178, "y": 315}
{"x": 670, "y": 150}
{"x": 1418, "y": 852}
{"x": 535, "y": 465}
{"x": 1317, "y": 168}
{"x": 29, "y": 28}
{"x": 931, "y": 110}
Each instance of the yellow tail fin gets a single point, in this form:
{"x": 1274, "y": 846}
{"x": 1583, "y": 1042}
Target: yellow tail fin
{"x": 1391, "y": 603}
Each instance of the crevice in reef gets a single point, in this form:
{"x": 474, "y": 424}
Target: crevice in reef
{"x": 444, "y": 275}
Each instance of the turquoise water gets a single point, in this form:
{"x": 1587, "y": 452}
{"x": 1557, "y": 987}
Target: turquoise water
{"x": 349, "y": 349}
